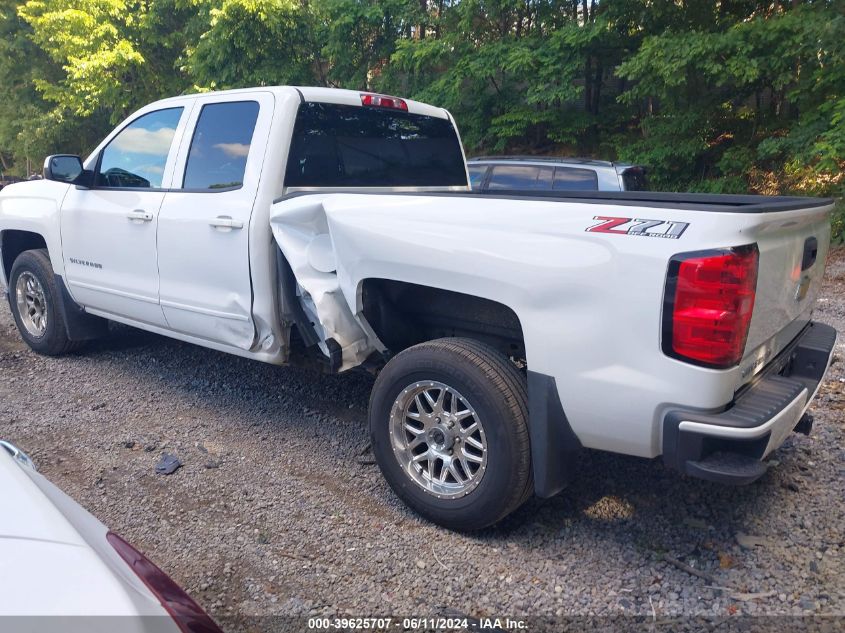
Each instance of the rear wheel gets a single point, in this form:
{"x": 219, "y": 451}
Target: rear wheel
{"x": 35, "y": 304}
{"x": 448, "y": 422}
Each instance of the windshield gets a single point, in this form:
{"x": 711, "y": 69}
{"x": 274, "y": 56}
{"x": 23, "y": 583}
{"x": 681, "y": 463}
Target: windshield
{"x": 353, "y": 146}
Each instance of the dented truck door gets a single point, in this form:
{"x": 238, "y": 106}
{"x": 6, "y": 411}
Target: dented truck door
{"x": 203, "y": 235}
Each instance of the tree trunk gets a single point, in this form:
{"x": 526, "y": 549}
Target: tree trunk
{"x": 588, "y": 84}
{"x": 424, "y": 10}
{"x": 597, "y": 86}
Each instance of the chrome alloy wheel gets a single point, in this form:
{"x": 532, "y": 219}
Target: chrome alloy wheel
{"x": 438, "y": 439}
{"x": 32, "y": 306}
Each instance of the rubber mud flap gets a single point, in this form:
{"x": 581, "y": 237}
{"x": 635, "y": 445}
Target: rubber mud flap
{"x": 554, "y": 444}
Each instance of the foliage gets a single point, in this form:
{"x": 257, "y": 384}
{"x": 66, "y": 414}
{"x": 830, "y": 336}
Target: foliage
{"x": 710, "y": 95}
{"x": 359, "y": 37}
{"x": 253, "y": 43}
{"x": 765, "y": 91}
{"x": 91, "y": 47}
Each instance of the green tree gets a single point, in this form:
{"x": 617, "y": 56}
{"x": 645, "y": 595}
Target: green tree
{"x": 102, "y": 65}
{"x": 255, "y": 43}
{"x": 760, "y": 92}
{"x": 516, "y": 74}
{"x": 74, "y": 68}
{"x": 712, "y": 95}
{"x": 359, "y": 37}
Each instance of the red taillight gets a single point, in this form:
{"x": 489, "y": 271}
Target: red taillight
{"x": 187, "y": 614}
{"x": 383, "y": 101}
{"x": 709, "y": 301}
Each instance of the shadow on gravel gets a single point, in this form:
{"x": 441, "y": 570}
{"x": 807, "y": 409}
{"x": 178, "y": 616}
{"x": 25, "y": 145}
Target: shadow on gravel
{"x": 122, "y": 338}
{"x": 238, "y": 388}
{"x": 640, "y": 505}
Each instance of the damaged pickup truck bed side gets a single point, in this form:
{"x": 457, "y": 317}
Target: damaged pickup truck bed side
{"x": 507, "y": 331}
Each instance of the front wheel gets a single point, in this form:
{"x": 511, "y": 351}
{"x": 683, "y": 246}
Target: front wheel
{"x": 449, "y": 429}
{"x": 34, "y": 298}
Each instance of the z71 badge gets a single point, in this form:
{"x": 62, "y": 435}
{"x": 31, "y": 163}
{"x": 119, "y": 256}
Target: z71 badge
{"x": 636, "y": 226}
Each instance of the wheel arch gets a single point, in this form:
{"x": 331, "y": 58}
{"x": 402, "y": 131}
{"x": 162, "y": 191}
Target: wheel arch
{"x": 385, "y": 306}
{"x": 13, "y": 242}
{"x": 79, "y": 325}
{"x": 402, "y": 314}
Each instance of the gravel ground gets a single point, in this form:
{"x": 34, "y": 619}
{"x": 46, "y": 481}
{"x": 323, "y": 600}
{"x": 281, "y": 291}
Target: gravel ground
{"x": 272, "y": 512}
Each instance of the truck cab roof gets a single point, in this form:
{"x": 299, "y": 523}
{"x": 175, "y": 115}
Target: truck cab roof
{"x": 308, "y": 94}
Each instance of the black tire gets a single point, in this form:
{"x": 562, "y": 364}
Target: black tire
{"x": 496, "y": 389}
{"x": 54, "y": 341}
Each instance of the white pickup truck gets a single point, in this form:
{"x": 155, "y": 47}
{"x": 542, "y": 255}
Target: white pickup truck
{"x": 508, "y": 330}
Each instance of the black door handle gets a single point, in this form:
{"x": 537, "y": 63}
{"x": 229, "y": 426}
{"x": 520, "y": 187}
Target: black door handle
{"x": 811, "y": 251}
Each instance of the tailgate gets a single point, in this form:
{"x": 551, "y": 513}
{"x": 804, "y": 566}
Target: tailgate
{"x": 793, "y": 247}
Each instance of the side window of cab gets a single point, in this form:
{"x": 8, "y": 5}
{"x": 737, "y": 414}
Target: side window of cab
{"x": 220, "y": 146}
{"x": 137, "y": 156}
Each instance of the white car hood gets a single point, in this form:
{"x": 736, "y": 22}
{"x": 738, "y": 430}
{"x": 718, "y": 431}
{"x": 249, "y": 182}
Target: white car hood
{"x": 55, "y": 561}
{"x": 27, "y": 513}
{"x": 45, "y": 578}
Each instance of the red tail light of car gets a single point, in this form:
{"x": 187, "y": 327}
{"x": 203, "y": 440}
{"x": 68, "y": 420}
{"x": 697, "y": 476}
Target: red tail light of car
{"x": 708, "y": 305}
{"x": 187, "y": 614}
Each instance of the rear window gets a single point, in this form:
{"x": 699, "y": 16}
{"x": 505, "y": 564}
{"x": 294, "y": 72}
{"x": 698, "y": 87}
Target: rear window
{"x": 634, "y": 179}
{"x": 520, "y": 177}
{"x": 352, "y": 146}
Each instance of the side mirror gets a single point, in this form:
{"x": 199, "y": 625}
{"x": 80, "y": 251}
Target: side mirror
{"x": 66, "y": 168}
